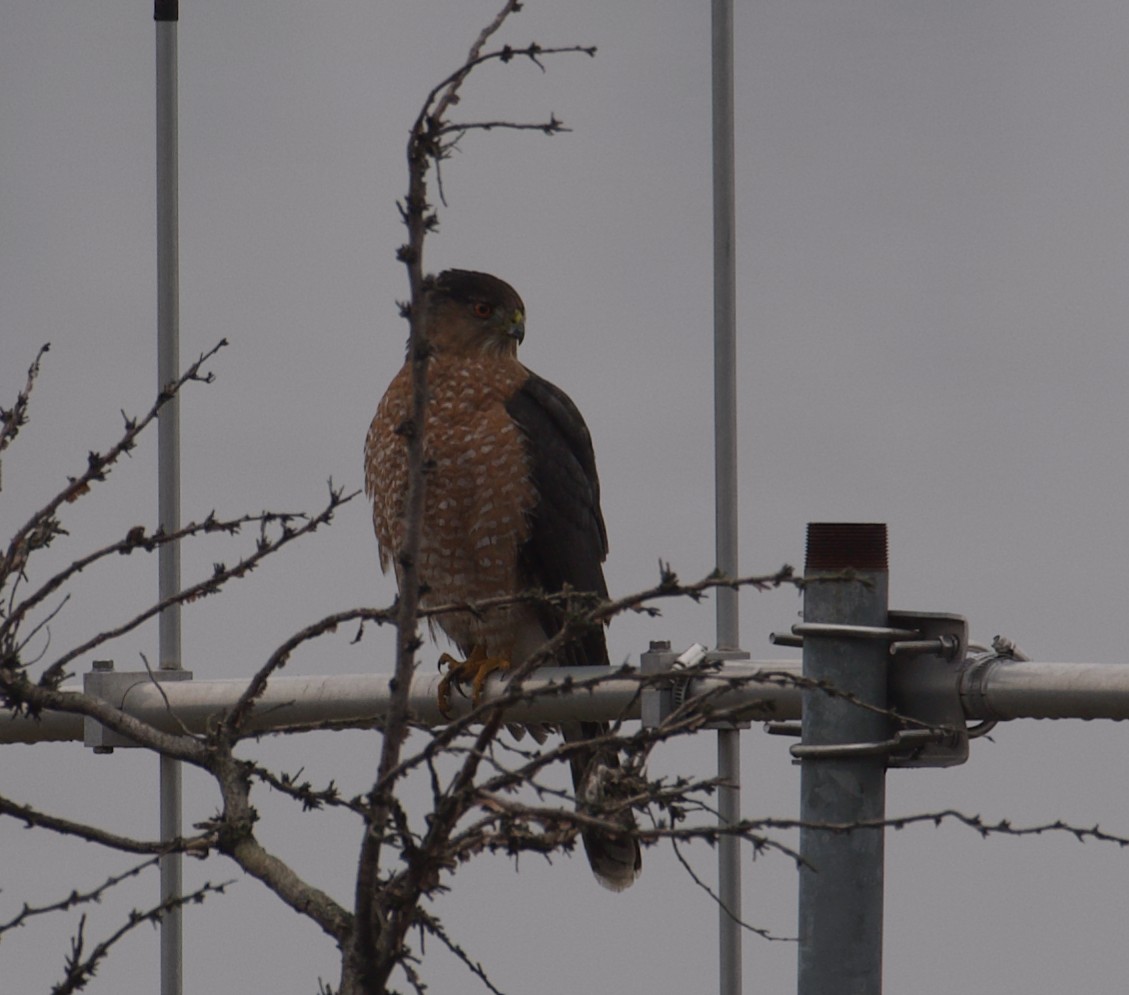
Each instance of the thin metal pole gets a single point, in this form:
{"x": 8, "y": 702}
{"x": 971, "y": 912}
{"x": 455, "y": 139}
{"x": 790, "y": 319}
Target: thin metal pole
{"x": 729, "y": 862}
{"x": 166, "y": 13}
{"x": 724, "y": 321}
{"x": 841, "y": 873}
{"x": 725, "y": 469}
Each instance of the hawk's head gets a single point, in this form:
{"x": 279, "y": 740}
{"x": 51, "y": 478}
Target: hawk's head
{"x": 472, "y": 313}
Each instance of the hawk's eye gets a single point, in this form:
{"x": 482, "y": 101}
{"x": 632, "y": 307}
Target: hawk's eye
{"x": 481, "y": 309}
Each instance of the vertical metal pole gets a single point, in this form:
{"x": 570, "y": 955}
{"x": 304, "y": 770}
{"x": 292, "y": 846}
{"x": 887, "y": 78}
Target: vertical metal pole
{"x": 729, "y": 862}
{"x": 840, "y": 915}
{"x": 166, "y": 13}
{"x": 724, "y": 320}
{"x": 725, "y": 468}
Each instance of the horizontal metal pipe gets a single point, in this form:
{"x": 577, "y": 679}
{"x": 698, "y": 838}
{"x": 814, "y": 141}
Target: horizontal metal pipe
{"x": 1026, "y": 689}
{"x": 50, "y": 727}
{"x": 357, "y": 698}
{"x": 993, "y": 689}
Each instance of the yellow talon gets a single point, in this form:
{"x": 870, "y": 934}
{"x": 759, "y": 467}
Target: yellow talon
{"x": 475, "y": 668}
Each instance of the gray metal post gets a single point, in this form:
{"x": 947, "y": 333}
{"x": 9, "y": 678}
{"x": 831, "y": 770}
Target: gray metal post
{"x": 729, "y": 862}
{"x": 725, "y": 470}
{"x": 724, "y": 322}
{"x": 840, "y": 915}
{"x": 165, "y": 13}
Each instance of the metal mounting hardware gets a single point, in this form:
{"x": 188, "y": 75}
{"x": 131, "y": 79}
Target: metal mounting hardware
{"x": 924, "y": 684}
{"x": 908, "y": 742}
{"x": 784, "y": 728}
{"x": 682, "y": 688}
{"x": 661, "y": 697}
{"x": 656, "y": 700}
{"x": 666, "y": 691}
{"x": 946, "y": 646}
{"x": 928, "y": 650}
{"x": 785, "y": 639}
{"x": 839, "y": 631}
{"x": 112, "y": 686}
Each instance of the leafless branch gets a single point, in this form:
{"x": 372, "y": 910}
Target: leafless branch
{"x": 33, "y": 818}
{"x": 81, "y": 966}
{"x": 764, "y": 934}
{"x": 76, "y": 897}
{"x": 44, "y": 526}
{"x": 233, "y": 832}
{"x": 14, "y": 418}
{"x": 265, "y": 545}
{"x": 312, "y": 799}
{"x": 430, "y": 925}
{"x": 1003, "y": 827}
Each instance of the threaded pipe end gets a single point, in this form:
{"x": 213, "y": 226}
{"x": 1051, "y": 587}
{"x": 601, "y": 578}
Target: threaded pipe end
{"x": 846, "y": 546}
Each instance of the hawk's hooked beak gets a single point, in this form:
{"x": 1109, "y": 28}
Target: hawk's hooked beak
{"x": 517, "y": 329}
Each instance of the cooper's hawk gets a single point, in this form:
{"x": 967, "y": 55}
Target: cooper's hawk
{"x": 512, "y": 504}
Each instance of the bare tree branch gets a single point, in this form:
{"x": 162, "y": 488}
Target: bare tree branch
{"x": 33, "y": 818}
{"x": 1003, "y": 827}
{"x": 43, "y": 526}
{"x": 432, "y": 926}
{"x": 265, "y": 546}
{"x": 75, "y": 897}
{"x": 764, "y": 934}
{"x": 234, "y": 836}
{"x": 80, "y": 967}
{"x": 14, "y": 418}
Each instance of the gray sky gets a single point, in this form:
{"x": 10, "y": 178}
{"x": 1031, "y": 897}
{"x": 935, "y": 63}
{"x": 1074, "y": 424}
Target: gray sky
{"x": 933, "y": 232}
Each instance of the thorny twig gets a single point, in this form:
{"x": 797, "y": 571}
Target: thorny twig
{"x": 32, "y": 817}
{"x": 80, "y": 966}
{"x": 1003, "y": 827}
{"x": 432, "y": 926}
{"x": 230, "y": 833}
{"x": 14, "y": 418}
{"x": 762, "y": 932}
{"x": 75, "y": 897}
{"x": 43, "y": 526}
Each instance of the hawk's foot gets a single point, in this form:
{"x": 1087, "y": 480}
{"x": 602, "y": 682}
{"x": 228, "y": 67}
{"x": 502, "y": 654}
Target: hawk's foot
{"x": 475, "y": 668}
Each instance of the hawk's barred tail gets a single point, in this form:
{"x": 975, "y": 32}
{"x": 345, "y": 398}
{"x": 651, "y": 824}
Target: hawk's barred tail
{"x": 615, "y": 861}
{"x": 598, "y": 779}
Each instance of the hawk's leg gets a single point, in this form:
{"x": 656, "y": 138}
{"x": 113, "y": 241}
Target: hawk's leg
{"x": 475, "y": 668}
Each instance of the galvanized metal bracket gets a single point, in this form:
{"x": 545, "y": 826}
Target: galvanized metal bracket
{"x": 928, "y": 651}
{"x": 924, "y": 684}
{"x": 113, "y": 686}
{"x": 656, "y": 701}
